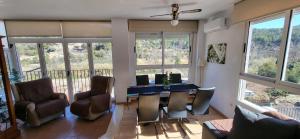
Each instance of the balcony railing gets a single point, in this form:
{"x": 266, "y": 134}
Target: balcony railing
{"x": 80, "y": 78}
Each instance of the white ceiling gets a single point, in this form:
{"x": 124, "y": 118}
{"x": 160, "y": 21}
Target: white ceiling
{"x": 104, "y": 9}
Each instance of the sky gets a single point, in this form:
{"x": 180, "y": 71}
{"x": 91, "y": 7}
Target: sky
{"x": 277, "y": 23}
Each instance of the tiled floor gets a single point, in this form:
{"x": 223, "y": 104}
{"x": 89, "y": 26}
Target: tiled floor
{"x": 129, "y": 129}
{"x": 68, "y": 128}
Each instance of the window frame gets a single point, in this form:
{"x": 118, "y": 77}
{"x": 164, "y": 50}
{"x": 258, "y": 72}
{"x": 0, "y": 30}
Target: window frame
{"x": 278, "y": 81}
{"x": 164, "y": 66}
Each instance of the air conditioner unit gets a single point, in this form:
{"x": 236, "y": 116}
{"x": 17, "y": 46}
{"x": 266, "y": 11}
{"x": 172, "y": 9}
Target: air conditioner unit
{"x": 215, "y": 25}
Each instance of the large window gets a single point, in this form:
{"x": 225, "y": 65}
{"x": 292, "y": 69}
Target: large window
{"x": 271, "y": 75}
{"x": 163, "y": 52}
{"x": 263, "y": 46}
{"x": 292, "y": 60}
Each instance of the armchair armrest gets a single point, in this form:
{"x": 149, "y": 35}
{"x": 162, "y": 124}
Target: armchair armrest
{"x": 60, "y": 96}
{"x": 22, "y": 107}
{"x": 100, "y": 103}
{"x": 82, "y": 95}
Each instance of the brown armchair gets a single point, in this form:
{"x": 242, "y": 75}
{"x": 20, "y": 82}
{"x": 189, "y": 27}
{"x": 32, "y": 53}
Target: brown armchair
{"x": 91, "y": 104}
{"x": 36, "y": 102}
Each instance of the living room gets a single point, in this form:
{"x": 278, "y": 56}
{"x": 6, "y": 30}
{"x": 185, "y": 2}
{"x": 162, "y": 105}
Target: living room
{"x": 150, "y": 69}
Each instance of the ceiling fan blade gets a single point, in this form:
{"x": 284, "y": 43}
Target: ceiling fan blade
{"x": 160, "y": 15}
{"x": 191, "y": 11}
{"x": 168, "y": 6}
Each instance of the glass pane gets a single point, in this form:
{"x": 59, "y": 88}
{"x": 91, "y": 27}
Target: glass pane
{"x": 148, "y": 49}
{"x": 102, "y": 58}
{"x": 78, "y": 54}
{"x": 292, "y": 65}
{"x": 29, "y": 61}
{"x": 54, "y": 57}
{"x": 263, "y": 47}
{"x": 150, "y": 72}
{"x": 272, "y": 99}
{"x": 177, "y": 49}
{"x": 80, "y": 73}
{"x": 183, "y": 71}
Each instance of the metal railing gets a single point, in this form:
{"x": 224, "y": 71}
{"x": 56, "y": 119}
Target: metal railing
{"x": 293, "y": 112}
{"x": 80, "y": 78}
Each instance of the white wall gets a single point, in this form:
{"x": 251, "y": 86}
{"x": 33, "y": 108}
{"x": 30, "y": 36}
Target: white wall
{"x": 225, "y": 77}
{"x": 120, "y": 55}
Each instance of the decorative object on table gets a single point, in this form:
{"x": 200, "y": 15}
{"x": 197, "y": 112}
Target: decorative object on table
{"x": 216, "y": 53}
{"x": 166, "y": 81}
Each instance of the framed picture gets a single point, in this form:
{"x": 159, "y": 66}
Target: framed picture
{"x": 216, "y": 53}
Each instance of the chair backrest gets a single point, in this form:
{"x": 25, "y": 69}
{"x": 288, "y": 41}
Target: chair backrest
{"x": 35, "y": 91}
{"x": 148, "y": 107}
{"x": 101, "y": 84}
{"x": 201, "y": 101}
{"x": 175, "y": 78}
{"x": 159, "y": 78}
{"x": 142, "y": 80}
{"x": 177, "y": 101}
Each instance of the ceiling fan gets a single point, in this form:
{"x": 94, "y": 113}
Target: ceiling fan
{"x": 175, "y": 13}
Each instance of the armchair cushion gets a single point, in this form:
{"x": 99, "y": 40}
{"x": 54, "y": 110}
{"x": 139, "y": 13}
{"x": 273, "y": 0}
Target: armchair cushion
{"x": 99, "y": 85}
{"x": 100, "y": 103}
{"x": 50, "y": 107}
{"x": 81, "y": 107}
{"x": 36, "y": 91}
{"x": 82, "y": 95}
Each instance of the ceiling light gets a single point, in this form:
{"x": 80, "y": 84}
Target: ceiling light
{"x": 174, "y": 22}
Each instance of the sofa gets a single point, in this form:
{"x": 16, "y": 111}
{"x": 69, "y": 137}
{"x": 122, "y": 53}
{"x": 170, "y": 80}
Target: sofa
{"x": 250, "y": 125}
{"x": 93, "y": 103}
{"x": 36, "y": 103}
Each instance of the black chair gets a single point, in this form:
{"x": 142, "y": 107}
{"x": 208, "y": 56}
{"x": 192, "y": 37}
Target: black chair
{"x": 200, "y": 105}
{"x": 176, "y": 108}
{"x": 148, "y": 108}
{"x": 159, "y": 78}
{"x": 175, "y": 78}
{"x": 142, "y": 80}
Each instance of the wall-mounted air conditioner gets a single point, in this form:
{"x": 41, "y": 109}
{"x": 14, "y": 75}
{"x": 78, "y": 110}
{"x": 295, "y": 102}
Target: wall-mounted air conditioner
{"x": 215, "y": 25}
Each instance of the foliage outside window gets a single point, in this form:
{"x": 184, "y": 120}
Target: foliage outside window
{"x": 162, "y": 52}
{"x": 263, "y": 47}
{"x": 272, "y": 99}
{"x": 292, "y": 65}
{"x": 268, "y": 56}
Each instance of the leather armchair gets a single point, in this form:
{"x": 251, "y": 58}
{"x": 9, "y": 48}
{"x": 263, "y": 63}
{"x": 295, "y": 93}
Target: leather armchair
{"x": 36, "y": 103}
{"x": 92, "y": 104}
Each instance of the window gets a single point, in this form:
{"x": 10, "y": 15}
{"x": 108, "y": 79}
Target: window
{"x": 273, "y": 63}
{"x": 148, "y": 49}
{"x": 272, "y": 99}
{"x": 29, "y": 57}
{"x": 102, "y": 55}
{"x": 177, "y": 49}
{"x": 163, "y": 52}
{"x": 54, "y": 56}
{"x": 291, "y": 71}
{"x": 263, "y": 47}
{"x": 78, "y": 54}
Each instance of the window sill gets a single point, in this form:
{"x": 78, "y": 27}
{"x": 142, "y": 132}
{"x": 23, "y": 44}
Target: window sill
{"x": 253, "y": 107}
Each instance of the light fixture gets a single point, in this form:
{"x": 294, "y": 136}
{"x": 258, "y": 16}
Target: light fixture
{"x": 174, "y": 22}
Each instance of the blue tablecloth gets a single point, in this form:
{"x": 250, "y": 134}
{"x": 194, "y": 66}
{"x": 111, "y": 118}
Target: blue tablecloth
{"x": 135, "y": 90}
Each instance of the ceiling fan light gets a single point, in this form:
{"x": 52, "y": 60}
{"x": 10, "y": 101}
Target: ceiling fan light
{"x": 174, "y": 22}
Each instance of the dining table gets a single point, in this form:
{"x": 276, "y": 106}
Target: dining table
{"x": 134, "y": 91}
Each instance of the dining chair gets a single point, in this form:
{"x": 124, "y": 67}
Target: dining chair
{"x": 142, "y": 80}
{"x": 159, "y": 78}
{"x": 148, "y": 108}
{"x": 200, "y": 104}
{"x": 175, "y": 78}
{"x": 176, "y": 108}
